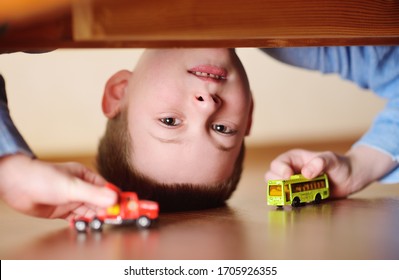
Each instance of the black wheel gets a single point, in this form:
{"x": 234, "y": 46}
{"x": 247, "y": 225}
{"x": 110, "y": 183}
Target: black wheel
{"x": 96, "y": 224}
{"x": 296, "y": 202}
{"x": 80, "y": 226}
{"x": 143, "y": 222}
{"x": 317, "y": 199}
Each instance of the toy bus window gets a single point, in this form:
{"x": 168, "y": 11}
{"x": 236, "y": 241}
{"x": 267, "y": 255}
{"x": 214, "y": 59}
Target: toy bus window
{"x": 287, "y": 193}
{"x": 296, "y": 188}
{"x": 275, "y": 190}
{"x": 319, "y": 184}
{"x": 300, "y": 187}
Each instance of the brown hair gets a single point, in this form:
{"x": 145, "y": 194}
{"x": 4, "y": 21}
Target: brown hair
{"x": 113, "y": 163}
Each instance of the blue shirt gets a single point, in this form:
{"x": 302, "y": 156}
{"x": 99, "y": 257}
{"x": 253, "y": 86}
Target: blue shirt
{"x": 370, "y": 67}
{"x": 11, "y": 141}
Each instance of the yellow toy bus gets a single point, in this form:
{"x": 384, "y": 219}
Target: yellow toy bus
{"x": 297, "y": 190}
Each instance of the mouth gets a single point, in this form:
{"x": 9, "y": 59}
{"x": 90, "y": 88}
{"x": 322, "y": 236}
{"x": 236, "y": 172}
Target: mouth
{"x": 209, "y": 73}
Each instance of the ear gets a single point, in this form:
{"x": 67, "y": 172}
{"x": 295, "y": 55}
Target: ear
{"x": 114, "y": 93}
{"x": 249, "y": 124}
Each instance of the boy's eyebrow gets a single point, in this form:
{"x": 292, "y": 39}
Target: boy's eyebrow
{"x": 219, "y": 146}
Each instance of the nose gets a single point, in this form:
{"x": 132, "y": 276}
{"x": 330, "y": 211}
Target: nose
{"x": 208, "y": 102}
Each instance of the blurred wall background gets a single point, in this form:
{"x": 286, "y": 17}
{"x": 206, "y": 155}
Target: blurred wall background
{"x": 55, "y": 99}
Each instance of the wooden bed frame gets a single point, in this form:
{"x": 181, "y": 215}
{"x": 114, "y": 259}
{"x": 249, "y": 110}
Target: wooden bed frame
{"x": 208, "y": 23}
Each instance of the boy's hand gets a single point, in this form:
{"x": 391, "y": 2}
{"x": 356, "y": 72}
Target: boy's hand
{"x": 347, "y": 174}
{"x": 49, "y": 190}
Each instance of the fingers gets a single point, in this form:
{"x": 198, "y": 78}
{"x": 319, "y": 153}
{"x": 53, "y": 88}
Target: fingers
{"x": 274, "y": 176}
{"x": 51, "y": 190}
{"x": 81, "y": 191}
{"x": 289, "y": 163}
{"x": 282, "y": 167}
{"x": 309, "y": 164}
{"x": 84, "y": 185}
{"x": 73, "y": 211}
{"x": 324, "y": 162}
{"x": 68, "y": 183}
{"x": 283, "y": 171}
{"x": 83, "y": 173}
{"x": 314, "y": 167}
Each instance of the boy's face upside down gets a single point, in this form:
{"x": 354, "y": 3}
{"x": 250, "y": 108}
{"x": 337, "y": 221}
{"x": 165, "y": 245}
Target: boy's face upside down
{"x": 188, "y": 111}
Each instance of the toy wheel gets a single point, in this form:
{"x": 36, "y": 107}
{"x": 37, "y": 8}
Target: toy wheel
{"x": 80, "y": 226}
{"x": 143, "y": 222}
{"x": 96, "y": 224}
{"x": 317, "y": 199}
{"x": 296, "y": 202}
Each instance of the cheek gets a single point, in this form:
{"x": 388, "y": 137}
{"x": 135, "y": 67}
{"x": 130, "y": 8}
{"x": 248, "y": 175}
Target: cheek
{"x": 164, "y": 92}
{"x": 168, "y": 96}
{"x": 238, "y": 105}
{"x": 155, "y": 99}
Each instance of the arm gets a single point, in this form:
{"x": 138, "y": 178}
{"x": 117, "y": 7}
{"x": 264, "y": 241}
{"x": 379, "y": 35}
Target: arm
{"x": 374, "y": 156}
{"x": 49, "y": 190}
{"x": 348, "y": 173}
{"x": 43, "y": 189}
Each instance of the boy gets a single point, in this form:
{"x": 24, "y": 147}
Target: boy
{"x": 176, "y": 127}
{"x": 181, "y": 118}
{"x": 176, "y": 166}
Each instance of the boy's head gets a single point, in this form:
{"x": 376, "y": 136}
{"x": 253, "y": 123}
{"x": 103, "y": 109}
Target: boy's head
{"x": 176, "y": 127}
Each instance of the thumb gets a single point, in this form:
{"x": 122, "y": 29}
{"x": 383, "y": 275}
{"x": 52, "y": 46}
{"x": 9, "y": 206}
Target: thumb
{"x": 313, "y": 168}
{"x": 81, "y": 191}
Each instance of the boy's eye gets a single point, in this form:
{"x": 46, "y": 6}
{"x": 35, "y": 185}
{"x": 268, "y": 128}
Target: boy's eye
{"x": 220, "y": 128}
{"x": 171, "y": 121}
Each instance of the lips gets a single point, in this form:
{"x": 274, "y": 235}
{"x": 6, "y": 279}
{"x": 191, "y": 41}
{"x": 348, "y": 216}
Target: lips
{"x": 209, "y": 72}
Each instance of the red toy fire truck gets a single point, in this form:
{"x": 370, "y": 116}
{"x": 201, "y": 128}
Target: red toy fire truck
{"x": 128, "y": 210}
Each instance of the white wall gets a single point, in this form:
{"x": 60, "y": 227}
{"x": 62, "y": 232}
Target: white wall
{"x": 55, "y": 99}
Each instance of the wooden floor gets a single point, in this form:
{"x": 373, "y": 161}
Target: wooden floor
{"x": 364, "y": 226}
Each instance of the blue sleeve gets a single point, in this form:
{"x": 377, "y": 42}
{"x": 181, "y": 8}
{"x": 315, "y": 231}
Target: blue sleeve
{"x": 370, "y": 67}
{"x": 11, "y": 141}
